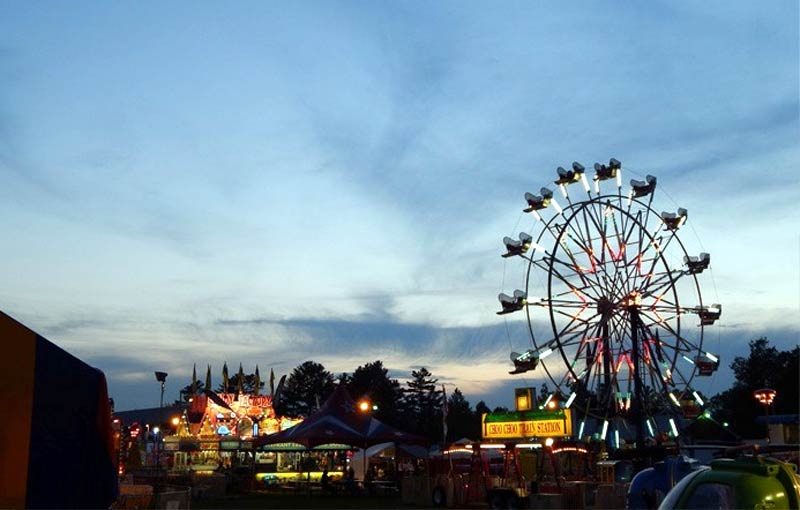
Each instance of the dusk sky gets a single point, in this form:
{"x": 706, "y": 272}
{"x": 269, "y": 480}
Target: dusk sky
{"x": 270, "y": 183}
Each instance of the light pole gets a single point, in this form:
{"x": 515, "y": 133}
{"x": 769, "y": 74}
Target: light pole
{"x": 365, "y": 406}
{"x": 162, "y": 378}
{"x": 765, "y": 396}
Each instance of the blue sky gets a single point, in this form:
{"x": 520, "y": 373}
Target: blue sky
{"x": 271, "y": 183}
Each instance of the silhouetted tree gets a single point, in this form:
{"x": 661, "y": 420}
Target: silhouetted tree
{"x": 308, "y": 386}
{"x": 764, "y": 367}
{"x": 422, "y": 405}
{"x": 186, "y": 392}
{"x": 248, "y": 384}
{"x": 372, "y": 381}
{"x": 461, "y": 420}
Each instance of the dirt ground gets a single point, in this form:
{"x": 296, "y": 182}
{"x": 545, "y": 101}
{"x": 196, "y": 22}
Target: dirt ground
{"x": 289, "y": 501}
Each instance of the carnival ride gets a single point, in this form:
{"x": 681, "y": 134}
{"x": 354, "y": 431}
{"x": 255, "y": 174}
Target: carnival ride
{"x": 612, "y": 304}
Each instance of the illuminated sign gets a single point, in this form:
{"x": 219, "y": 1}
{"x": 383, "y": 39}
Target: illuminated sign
{"x": 229, "y": 445}
{"x": 524, "y": 425}
{"x": 245, "y": 400}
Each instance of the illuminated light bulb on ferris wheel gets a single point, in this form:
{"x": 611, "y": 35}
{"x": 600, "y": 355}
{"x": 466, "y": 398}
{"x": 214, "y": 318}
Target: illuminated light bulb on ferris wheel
{"x": 697, "y": 398}
{"x": 538, "y": 247}
{"x": 605, "y": 430}
{"x": 581, "y": 171}
{"x": 557, "y": 206}
{"x": 570, "y": 400}
{"x": 673, "y": 427}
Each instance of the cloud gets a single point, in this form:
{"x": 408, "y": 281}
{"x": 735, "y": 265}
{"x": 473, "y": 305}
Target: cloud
{"x": 333, "y": 181}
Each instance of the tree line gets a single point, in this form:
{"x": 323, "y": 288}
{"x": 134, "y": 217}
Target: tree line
{"x": 417, "y": 405}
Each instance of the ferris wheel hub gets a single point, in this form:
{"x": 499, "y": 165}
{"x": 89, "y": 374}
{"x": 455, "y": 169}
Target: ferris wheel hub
{"x": 605, "y": 307}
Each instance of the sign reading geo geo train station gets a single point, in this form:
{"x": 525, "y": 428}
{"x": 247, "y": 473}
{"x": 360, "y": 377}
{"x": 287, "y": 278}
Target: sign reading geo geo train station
{"x": 525, "y": 425}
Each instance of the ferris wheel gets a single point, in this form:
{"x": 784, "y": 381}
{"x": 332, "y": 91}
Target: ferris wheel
{"x": 611, "y": 300}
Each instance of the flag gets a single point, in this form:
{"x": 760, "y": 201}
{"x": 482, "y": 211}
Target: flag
{"x": 239, "y": 382}
{"x": 444, "y": 414}
{"x": 194, "y": 379}
{"x": 271, "y": 383}
{"x": 279, "y": 389}
{"x": 217, "y": 399}
{"x": 258, "y": 382}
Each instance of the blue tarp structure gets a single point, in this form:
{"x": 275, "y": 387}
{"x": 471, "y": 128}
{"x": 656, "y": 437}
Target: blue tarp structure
{"x": 56, "y": 444}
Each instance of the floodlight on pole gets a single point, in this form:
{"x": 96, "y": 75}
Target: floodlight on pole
{"x": 765, "y": 396}
{"x": 162, "y": 378}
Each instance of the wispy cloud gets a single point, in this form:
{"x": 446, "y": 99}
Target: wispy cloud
{"x": 332, "y": 180}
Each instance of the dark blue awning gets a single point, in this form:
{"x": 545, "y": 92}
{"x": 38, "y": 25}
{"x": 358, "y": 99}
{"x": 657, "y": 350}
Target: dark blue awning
{"x": 779, "y": 418}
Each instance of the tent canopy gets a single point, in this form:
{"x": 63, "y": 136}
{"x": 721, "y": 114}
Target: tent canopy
{"x": 339, "y": 421}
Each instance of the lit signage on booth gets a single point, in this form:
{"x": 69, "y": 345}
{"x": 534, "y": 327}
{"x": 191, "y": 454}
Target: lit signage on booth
{"x": 521, "y": 425}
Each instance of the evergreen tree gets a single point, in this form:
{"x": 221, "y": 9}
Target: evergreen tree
{"x": 461, "y": 420}
{"x": 308, "y": 386}
{"x": 481, "y": 408}
{"x": 248, "y": 384}
{"x": 422, "y": 405}
{"x": 186, "y": 392}
{"x": 372, "y": 382}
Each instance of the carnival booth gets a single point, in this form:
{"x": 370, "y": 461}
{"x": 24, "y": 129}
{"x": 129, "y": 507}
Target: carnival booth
{"x": 56, "y": 448}
{"x": 337, "y": 425}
